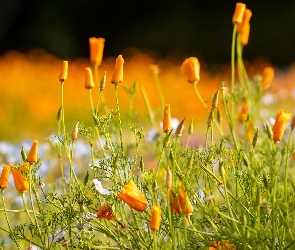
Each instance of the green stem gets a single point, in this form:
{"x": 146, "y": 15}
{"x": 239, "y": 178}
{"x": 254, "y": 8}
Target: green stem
{"x": 233, "y": 58}
{"x": 155, "y": 240}
{"x": 170, "y": 218}
{"x": 25, "y": 206}
{"x": 95, "y": 66}
{"x": 157, "y": 81}
{"x": 119, "y": 117}
{"x": 184, "y": 229}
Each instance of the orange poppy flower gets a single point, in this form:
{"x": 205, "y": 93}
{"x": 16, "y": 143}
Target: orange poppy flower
{"x": 191, "y": 69}
{"x": 243, "y": 115}
{"x": 96, "y": 46}
{"x": 64, "y": 71}
{"x": 89, "y": 83}
{"x": 278, "y": 128}
{"x": 244, "y": 35}
{"x": 222, "y": 245}
{"x": 131, "y": 195}
{"x": 245, "y": 20}
{"x": 167, "y": 119}
{"x": 180, "y": 202}
{"x": 239, "y": 12}
{"x": 155, "y": 218}
{"x": 32, "y": 156}
{"x": 20, "y": 182}
{"x": 118, "y": 73}
{"x": 267, "y": 76}
{"x": 105, "y": 212}
{"x": 4, "y": 177}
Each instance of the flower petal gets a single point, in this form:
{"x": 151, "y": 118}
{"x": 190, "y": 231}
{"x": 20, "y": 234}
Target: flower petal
{"x": 100, "y": 188}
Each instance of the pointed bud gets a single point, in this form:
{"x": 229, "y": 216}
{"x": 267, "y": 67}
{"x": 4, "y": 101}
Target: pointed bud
{"x": 258, "y": 197}
{"x": 268, "y": 130}
{"x": 214, "y": 103}
{"x": 59, "y": 117}
{"x": 190, "y": 162}
{"x": 239, "y": 12}
{"x": 255, "y": 138}
{"x": 191, "y": 127}
{"x": 210, "y": 118}
{"x": 167, "y": 139}
{"x": 292, "y": 125}
{"x": 180, "y": 128}
{"x": 32, "y": 156}
{"x": 167, "y": 119}
{"x": 168, "y": 179}
{"x": 118, "y": 72}
{"x": 103, "y": 81}
{"x": 23, "y": 154}
{"x": 75, "y": 131}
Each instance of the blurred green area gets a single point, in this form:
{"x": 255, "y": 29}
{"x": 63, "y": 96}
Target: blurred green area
{"x": 178, "y": 28}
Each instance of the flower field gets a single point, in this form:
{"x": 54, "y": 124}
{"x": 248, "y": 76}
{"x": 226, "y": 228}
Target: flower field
{"x": 141, "y": 152}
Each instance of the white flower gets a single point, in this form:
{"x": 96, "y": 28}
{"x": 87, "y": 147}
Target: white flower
{"x": 100, "y": 188}
{"x": 55, "y": 237}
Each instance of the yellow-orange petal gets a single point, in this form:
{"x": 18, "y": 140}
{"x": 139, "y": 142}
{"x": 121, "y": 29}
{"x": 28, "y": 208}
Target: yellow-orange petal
{"x": 4, "y": 177}
{"x": 20, "y": 182}
{"x": 155, "y": 218}
{"x": 167, "y": 119}
{"x": 32, "y": 156}
{"x": 283, "y": 117}
{"x": 96, "y": 47}
{"x": 89, "y": 83}
{"x": 64, "y": 71}
{"x": 246, "y": 19}
{"x": 244, "y": 35}
{"x": 131, "y": 195}
{"x": 267, "y": 76}
{"x": 180, "y": 202}
{"x": 118, "y": 72}
{"x": 191, "y": 69}
{"x": 239, "y": 12}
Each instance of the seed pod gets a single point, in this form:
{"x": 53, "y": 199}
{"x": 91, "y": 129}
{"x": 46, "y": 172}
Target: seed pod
{"x": 141, "y": 164}
{"x": 59, "y": 116}
{"x": 258, "y": 197}
{"x": 265, "y": 180}
{"x": 191, "y": 127}
{"x": 103, "y": 81}
{"x": 268, "y": 130}
{"x": 210, "y": 118}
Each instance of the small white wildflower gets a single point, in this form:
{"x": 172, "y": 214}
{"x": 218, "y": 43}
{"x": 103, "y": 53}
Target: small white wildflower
{"x": 100, "y": 188}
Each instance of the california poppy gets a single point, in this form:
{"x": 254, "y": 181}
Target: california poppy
{"x": 96, "y": 46}
{"x": 239, "y": 12}
{"x": 4, "y": 177}
{"x": 155, "y": 218}
{"x": 105, "y": 212}
{"x": 278, "y": 128}
{"x": 167, "y": 119}
{"x": 244, "y": 35}
{"x": 118, "y": 72}
{"x": 32, "y": 156}
{"x": 222, "y": 245}
{"x": 245, "y": 20}
{"x": 20, "y": 182}
{"x": 191, "y": 69}
{"x": 267, "y": 76}
{"x": 131, "y": 195}
{"x": 180, "y": 202}
{"x": 89, "y": 83}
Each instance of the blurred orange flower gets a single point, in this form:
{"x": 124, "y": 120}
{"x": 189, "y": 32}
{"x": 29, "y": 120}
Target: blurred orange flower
{"x": 246, "y": 20}
{"x": 239, "y": 12}
{"x": 96, "y": 46}
{"x": 89, "y": 83}
{"x": 267, "y": 76}
{"x": 4, "y": 177}
{"x": 155, "y": 218}
{"x": 222, "y": 245}
{"x": 180, "y": 202}
{"x": 244, "y": 113}
{"x": 32, "y": 156}
{"x": 167, "y": 119}
{"x": 118, "y": 73}
{"x": 105, "y": 212}
{"x": 20, "y": 182}
{"x": 191, "y": 69}
{"x": 131, "y": 195}
{"x": 278, "y": 128}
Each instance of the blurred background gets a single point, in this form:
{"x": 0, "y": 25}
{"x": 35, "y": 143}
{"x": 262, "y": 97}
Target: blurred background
{"x": 35, "y": 36}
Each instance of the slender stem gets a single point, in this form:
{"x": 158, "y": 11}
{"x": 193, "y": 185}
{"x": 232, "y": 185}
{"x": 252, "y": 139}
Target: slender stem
{"x": 184, "y": 229}
{"x": 7, "y": 220}
{"x": 157, "y": 81}
{"x": 233, "y": 57}
{"x": 119, "y": 117}
{"x": 25, "y": 206}
{"x": 155, "y": 240}
{"x": 170, "y": 218}
{"x": 95, "y": 66}
{"x": 60, "y": 158}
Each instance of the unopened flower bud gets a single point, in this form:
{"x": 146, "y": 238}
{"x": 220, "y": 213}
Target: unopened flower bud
{"x": 292, "y": 125}
{"x": 268, "y": 130}
{"x": 64, "y": 71}
{"x": 258, "y": 197}
{"x": 89, "y": 83}
{"x": 189, "y": 164}
{"x": 103, "y": 81}
{"x": 239, "y": 13}
{"x": 168, "y": 179}
{"x": 59, "y": 117}
{"x": 75, "y": 131}
{"x": 214, "y": 103}
{"x": 191, "y": 127}
{"x": 180, "y": 128}
{"x": 23, "y": 154}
